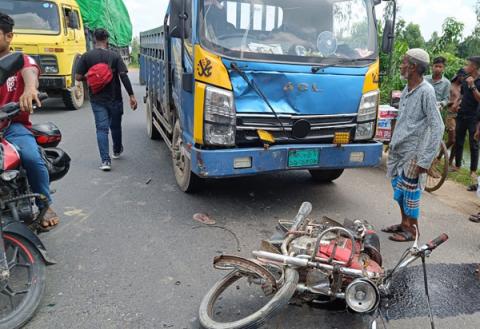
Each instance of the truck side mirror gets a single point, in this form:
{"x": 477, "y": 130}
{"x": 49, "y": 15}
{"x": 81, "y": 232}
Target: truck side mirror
{"x": 178, "y": 16}
{"x": 388, "y": 37}
{"x": 73, "y": 20}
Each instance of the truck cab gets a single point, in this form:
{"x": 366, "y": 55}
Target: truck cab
{"x": 52, "y": 33}
{"x": 247, "y": 87}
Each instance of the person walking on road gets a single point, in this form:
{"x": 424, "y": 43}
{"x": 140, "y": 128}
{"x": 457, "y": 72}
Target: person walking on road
{"x": 414, "y": 143}
{"x": 22, "y": 88}
{"x": 439, "y": 82}
{"x": 467, "y": 118}
{"x": 103, "y": 69}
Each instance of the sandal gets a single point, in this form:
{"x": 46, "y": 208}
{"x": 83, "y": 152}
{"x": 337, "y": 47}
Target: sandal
{"x": 403, "y": 236}
{"x": 393, "y": 229}
{"x": 472, "y": 188}
{"x": 50, "y": 220}
{"x": 475, "y": 218}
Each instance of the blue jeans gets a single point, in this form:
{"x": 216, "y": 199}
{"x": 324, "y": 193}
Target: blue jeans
{"x": 108, "y": 117}
{"x": 32, "y": 161}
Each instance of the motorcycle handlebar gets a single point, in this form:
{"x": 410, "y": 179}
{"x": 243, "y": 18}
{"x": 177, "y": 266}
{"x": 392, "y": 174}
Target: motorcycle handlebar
{"x": 437, "y": 242}
{"x": 10, "y": 110}
{"x": 304, "y": 211}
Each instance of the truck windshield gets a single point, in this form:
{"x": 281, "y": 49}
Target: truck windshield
{"x": 33, "y": 17}
{"x": 296, "y": 31}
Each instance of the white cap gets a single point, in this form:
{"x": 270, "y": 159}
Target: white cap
{"x": 419, "y": 54}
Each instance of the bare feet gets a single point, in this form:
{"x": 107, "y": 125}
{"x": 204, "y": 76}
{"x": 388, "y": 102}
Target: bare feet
{"x": 50, "y": 219}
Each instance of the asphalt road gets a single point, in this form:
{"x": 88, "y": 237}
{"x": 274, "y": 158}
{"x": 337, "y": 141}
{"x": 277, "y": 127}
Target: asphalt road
{"x": 131, "y": 256}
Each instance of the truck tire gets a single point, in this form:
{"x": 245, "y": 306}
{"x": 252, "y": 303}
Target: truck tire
{"x": 152, "y": 131}
{"x": 70, "y": 99}
{"x": 182, "y": 166}
{"x": 325, "y": 176}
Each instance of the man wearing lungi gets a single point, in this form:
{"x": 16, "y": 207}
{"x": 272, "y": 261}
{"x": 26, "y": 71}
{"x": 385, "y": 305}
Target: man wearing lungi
{"x": 415, "y": 143}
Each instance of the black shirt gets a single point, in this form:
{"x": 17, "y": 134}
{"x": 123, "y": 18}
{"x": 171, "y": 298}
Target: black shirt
{"x": 99, "y": 55}
{"x": 469, "y": 106}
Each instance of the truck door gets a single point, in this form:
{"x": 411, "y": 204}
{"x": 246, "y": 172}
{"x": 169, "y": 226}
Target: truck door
{"x": 72, "y": 23}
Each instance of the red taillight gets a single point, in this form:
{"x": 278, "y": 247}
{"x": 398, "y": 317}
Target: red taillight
{"x": 43, "y": 139}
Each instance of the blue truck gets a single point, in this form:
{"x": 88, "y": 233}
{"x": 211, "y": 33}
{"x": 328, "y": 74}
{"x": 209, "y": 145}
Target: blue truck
{"x": 242, "y": 87}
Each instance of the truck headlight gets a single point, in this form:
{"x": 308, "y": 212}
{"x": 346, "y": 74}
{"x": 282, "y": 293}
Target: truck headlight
{"x": 49, "y": 64}
{"x": 368, "y": 106}
{"x": 365, "y": 131}
{"x": 220, "y": 117}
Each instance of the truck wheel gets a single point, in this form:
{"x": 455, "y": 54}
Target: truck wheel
{"x": 152, "y": 131}
{"x": 325, "y": 176}
{"x": 182, "y": 166}
{"x": 74, "y": 97}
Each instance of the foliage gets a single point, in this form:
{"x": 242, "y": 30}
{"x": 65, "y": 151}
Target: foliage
{"x": 135, "y": 45}
{"x": 448, "y": 43}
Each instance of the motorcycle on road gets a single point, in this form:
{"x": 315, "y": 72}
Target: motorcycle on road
{"x": 318, "y": 261}
{"x": 23, "y": 257}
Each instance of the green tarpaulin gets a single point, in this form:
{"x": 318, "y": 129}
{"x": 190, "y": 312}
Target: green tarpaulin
{"x": 111, "y": 15}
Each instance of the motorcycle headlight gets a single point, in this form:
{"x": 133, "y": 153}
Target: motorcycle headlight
{"x": 365, "y": 131}
{"x": 368, "y": 106}
{"x": 362, "y": 296}
{"x": 220, "y": 117}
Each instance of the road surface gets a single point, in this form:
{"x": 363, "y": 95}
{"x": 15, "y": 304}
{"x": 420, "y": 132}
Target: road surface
{"x": 131, "y": 256}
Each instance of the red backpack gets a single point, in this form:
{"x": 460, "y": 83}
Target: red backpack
{"x": 98, "y": 77}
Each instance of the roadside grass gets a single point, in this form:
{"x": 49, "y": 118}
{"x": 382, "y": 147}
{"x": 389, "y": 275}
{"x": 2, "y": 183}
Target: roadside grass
{"x": 462, "y": 176}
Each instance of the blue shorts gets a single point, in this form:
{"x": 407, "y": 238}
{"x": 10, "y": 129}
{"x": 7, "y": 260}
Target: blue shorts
{"x": 407, "y": 193}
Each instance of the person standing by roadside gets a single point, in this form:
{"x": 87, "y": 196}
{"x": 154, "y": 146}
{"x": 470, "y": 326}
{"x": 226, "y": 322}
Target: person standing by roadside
{"x": 467, "y": 118}
{"x": 414, "y": 143}
{"x": 107, "y": 104}
{"x": 452, "y": 110}
{"x": 439, "y": 82}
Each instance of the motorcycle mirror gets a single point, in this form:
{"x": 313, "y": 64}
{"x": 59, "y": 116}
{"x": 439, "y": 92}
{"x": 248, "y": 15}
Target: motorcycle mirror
{"x": 10, "y": 65}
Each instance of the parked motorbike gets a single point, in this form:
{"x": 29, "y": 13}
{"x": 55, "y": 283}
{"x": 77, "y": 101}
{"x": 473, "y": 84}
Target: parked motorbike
{"x": 23, "y": 257}
{"x": 319, "y": 262}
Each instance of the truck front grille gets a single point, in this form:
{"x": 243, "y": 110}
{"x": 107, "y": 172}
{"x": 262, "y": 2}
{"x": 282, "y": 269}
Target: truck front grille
{"x": 323, "y": 127}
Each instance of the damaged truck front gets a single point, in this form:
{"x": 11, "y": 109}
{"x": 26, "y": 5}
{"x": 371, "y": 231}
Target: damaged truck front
{"x": 247, "y": 87}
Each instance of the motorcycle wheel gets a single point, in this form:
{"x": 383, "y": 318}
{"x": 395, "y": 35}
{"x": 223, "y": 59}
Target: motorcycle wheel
{"x": 254, "y": 320}
{"x": 20, "y": 296}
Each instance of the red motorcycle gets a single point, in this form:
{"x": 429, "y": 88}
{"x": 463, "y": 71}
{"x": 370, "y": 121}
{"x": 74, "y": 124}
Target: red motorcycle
{"x": 23, "y": 257}
{"x": 318, "y": 261}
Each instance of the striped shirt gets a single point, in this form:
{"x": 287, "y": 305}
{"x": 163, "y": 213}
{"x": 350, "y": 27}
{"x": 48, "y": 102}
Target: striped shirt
{"x": 418, "y": 132}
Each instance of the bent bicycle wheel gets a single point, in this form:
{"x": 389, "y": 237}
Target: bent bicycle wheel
{"x": 231, "y": 305}
{"x": 438, "y": 172}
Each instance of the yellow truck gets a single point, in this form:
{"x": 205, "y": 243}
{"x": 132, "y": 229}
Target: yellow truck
{"x": 57, "y": 32}
{"x": 52, "y": 33}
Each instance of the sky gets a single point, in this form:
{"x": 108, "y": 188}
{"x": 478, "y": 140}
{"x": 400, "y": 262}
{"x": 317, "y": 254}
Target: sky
{"x": 429, "y": 14}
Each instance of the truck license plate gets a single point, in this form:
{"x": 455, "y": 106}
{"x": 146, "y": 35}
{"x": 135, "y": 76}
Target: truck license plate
{"x": 303, "y": 158}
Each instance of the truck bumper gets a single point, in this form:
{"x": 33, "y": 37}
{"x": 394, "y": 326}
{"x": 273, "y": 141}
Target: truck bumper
{"x": 52, "y": 83}
{"x": 223, "y": 163}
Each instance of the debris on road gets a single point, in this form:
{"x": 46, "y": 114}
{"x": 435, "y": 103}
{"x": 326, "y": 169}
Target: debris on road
{"x": 204, "y": 219}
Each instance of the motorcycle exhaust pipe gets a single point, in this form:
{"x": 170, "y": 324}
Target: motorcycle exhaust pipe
{"x": 300, "y": 262}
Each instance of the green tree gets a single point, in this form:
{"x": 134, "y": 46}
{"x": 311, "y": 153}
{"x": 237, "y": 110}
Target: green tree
{"x": 413, "y": 36}
{"x": 452, "y": 31}
{"x": 135, "y": 45}
{"x": 471, "y": 45}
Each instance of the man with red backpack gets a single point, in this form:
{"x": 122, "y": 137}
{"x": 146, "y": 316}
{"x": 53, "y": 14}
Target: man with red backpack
{"x": 103, "y": 69}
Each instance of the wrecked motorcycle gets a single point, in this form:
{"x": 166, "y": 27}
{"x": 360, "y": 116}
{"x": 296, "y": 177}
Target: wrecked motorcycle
{"x": 318, "y": 261}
